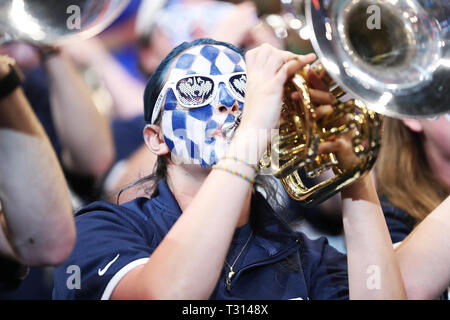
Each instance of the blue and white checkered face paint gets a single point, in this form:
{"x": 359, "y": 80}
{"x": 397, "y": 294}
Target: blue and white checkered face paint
{"x": 194, "y": 135}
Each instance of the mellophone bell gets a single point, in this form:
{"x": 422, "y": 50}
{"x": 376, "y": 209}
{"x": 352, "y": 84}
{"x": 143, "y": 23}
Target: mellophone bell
{"x": 385, "y": 57}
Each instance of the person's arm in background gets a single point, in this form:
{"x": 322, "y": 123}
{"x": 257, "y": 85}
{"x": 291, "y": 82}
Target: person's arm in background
{"x": 84, "y": 132}
{"x": 424, "y": 256}
{"x": 36, "y": 214}
{"x": 242, "y": 27}
{"x": 125, "y": 90}
{"x": 370, "y": 254}
{"x": 369, "y": 246}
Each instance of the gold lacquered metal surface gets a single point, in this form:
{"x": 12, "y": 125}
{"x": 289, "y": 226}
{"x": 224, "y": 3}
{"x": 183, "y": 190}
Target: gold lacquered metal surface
{"x": 300, "y": 133}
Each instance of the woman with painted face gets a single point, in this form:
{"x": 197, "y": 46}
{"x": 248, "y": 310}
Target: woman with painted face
{"x": 413, "y": 179}
{"x": 206, "y": 232}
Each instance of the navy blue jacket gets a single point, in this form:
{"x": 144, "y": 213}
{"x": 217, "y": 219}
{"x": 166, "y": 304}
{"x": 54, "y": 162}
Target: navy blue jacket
{"x": 113, "y": 239}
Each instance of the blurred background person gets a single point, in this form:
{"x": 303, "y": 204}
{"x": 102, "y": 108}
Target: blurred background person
{"x": 36, "y": 214}
{"x": 413, "y": 178}
{"x": 71, "y": 108}
{"x": 79, "y": 134}
{"x": 413, "y": 170}
{"x": 163, "y": 24}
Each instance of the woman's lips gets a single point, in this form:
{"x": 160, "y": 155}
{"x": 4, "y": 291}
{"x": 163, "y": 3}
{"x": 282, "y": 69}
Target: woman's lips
{"x": 218, "y": 133}
{"x": 224, "y": 132}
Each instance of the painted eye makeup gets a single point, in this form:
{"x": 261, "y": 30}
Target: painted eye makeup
{"x": 198, "y": 90}
{"x": 237, "y": 85}
{"x": 194, "y": 91}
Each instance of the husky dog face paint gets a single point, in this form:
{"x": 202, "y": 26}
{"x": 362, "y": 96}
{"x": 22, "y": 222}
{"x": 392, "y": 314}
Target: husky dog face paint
{"x": 205, "y": 90}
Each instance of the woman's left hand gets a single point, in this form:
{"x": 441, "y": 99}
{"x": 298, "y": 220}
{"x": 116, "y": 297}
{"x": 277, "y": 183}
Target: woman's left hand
{"x": 341, "y": 145}
{"x": 268, "y": 68}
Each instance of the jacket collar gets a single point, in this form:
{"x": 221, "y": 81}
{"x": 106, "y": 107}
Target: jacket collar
{"x": 165, "y": 200}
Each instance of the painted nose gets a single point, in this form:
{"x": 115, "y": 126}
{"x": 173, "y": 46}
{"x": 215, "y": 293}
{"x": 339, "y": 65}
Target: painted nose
{"x": 227, "y": 103}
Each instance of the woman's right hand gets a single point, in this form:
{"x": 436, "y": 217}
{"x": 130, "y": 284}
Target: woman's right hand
{"x": 268, "y": 68}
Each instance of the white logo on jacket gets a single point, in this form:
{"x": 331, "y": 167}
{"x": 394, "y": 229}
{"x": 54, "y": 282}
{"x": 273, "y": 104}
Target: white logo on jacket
{"x": 101, "y": 272}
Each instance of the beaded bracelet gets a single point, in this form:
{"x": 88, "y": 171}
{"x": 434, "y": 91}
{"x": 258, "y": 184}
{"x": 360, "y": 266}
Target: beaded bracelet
{"x": 248, "y": 164}
{"x": 236, "y": 173}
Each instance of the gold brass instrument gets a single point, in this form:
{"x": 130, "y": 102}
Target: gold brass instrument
{"x": 56, "y": 21}
{"x": 300, "y": 132}
{"x": 399, "y": 68}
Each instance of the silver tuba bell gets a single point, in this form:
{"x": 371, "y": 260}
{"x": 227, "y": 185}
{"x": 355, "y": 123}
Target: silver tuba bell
{"x": 56, "y": 21}
{"x": 394, "y": 55}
